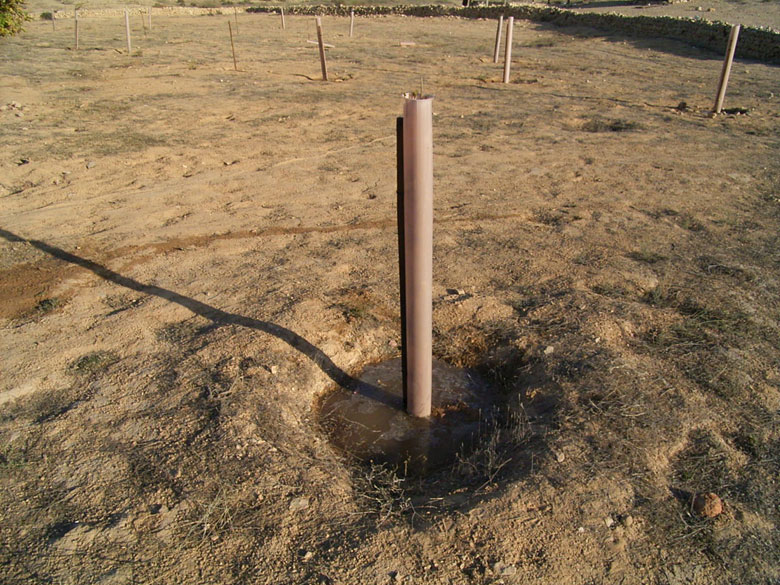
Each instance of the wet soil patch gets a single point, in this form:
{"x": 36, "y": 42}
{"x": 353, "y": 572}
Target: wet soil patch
{"x": 491, "y": 417}
{"x": 369, "y": 421}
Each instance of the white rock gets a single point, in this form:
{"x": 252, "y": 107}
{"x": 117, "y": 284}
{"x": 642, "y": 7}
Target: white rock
{"x": 299, "y": 503}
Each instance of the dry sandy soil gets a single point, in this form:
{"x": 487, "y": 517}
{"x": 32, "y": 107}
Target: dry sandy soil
{"x": 192, "y": 255}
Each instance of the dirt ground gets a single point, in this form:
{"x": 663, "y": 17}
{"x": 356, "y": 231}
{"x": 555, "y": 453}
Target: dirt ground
{"x": 191, "y": 256}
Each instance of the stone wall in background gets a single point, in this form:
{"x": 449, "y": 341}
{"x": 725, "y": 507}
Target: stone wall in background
{"x": 761, "y": 44}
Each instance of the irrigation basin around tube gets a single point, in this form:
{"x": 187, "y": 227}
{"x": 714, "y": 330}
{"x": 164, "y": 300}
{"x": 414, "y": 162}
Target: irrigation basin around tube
{"x": 368, "y": 421}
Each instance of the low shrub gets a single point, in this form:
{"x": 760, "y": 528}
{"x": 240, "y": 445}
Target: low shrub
{"x": 12, "y": 16}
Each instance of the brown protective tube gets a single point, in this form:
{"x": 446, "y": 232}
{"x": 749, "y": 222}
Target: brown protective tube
{"x": 508, "y": 50}
{"x": 76, "y": 24}
{"x": 418, "y": 248}
{"x": 399, "y": 165}
{"x": 284, "y": 26}
{"x": 726, "y": 71}
{"x": 497, "y": 48}
{"x": 322, "y": 50}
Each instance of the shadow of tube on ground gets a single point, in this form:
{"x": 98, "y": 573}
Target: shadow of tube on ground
{"x": 217, "y": 316}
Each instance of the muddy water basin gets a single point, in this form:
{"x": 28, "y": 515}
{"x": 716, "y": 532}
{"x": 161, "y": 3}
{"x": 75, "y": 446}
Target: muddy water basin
{"x": 368, "y": 421}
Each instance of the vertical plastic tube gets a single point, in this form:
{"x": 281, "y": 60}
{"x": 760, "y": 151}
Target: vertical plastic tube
{"x": 726, "y": 70}
{"x": 399, "y": 133}
{"x": 76, "y": 25}
{"x": 149, "y": 17}
{"x": 127, "y": 32}
{"x": 497, "y": 48}
{"x": 323, "y": 65}
{"x": 418, "y": 247}
{"x": 508, "y": 50}
{"x": 284, "y": 26}
{"x": 351, "y": 22}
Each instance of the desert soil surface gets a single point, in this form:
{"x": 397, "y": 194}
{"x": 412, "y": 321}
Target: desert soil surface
{"x": 191, "y": 256}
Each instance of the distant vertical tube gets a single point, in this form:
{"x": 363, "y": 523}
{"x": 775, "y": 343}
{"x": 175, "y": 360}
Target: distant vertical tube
{"x": 351, "y": 22}
{"x": 284, "y": 26}
{"x": 323, "y": 65}
{"x": 508, "y": 50}
{"x": 726, "y": 70}
{"x": 232, "y": 46}
{"x": 497, "y": 48}
{"x": 76, "y": 25}
{"x": 418, "y": 247}
{"x": 127, "y": 32}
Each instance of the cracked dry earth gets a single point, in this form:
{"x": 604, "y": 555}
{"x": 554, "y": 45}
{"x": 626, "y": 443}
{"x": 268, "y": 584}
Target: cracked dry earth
{"x": 191, "y": 256}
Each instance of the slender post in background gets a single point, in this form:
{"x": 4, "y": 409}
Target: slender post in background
{"x": 351, "y": 22}
{"x": 76, "y": 28}
{"x": 235, "y": 15}
{"x": 149, "y": 17}
{"x": 497, "y": 48}
{"x": 127, "y": 32}
{"x": 726, "y": 71}
{"x": 232, "y": 46}
{"x": 418, "y": 250}
{"x": 284, "y": 26}
{"x": 322, "y": 50}
{"x": 508, "y": 50}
